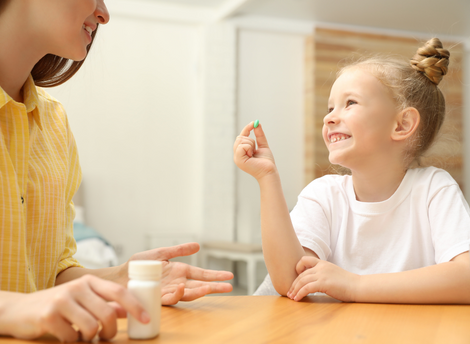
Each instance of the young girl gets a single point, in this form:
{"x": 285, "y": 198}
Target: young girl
{"x": 39, "y": 174}
{"x": 386, "y": 233}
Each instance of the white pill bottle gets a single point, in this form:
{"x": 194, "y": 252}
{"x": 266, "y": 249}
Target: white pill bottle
{"x": 144, "y": 284}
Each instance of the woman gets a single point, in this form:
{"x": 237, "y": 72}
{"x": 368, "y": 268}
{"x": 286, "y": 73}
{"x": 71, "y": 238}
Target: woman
{"x": 43, "y": 288}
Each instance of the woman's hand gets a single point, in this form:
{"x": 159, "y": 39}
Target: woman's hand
{"x": 317, "y": 275}
{"x": 70, "y": 311}
{"x": 258, "y": 162}
{"x": 182, "y": 282}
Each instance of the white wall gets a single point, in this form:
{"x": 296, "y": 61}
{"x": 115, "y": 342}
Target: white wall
{"x": 134, "y": 109}
{"x": 271, "y": 89}
{"x": 154, "y": 111}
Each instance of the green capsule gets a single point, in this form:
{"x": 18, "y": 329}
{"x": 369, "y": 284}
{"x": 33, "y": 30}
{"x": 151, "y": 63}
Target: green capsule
{"x": 256, "y": 124}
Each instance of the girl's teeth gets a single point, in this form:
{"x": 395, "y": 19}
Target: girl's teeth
{"x": 338, "y": 138}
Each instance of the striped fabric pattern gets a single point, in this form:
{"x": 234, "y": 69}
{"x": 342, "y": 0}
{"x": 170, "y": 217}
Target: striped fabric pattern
{"x": 39, "y": 174}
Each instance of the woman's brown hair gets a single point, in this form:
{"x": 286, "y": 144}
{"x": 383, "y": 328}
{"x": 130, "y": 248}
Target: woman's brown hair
{"x": 415, "y": 84}
{"x": 54, "y": 70}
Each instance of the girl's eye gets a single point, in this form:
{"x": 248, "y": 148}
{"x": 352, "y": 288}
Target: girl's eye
{"x": 350, "y": 102}
{"x": 329, "y": 110}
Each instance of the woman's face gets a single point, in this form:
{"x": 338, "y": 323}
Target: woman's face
{"x": 65, "y": 26}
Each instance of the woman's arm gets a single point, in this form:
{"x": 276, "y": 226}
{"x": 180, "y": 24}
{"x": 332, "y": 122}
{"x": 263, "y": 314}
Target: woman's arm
{"x": 179, "y": 281}
{"x": 441, "y": 283}
{"x": 281, "y": 247}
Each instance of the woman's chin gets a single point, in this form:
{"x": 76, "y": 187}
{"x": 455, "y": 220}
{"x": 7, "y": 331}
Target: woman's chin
{"x": 75, "y": 55}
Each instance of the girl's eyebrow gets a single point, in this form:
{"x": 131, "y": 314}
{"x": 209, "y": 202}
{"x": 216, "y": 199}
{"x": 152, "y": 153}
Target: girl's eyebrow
{"x": 352, "y": 94}
{"x": 346, "y": 95}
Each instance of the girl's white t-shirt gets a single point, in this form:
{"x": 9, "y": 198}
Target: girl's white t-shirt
{"x": 426, "y": 221}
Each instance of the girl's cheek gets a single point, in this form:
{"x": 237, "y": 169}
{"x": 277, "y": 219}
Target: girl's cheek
{"x": 324, "y": 133}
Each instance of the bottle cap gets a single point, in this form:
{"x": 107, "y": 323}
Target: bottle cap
{"x": 145, "y": 269}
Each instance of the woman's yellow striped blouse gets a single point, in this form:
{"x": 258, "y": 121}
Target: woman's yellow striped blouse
{"x": 39, "y": 174}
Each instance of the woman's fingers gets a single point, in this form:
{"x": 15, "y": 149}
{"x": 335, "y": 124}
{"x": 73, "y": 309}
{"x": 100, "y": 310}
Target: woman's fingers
{"x": 166, "y": 253}
{"x": 103, "y": 312}
{"x": 200, "y": 274}
{"x": 120, "y": 312}
{"x": 56, "y": 325}
{"x": 79, "y": 315}
{"x": 195, "y": 290}
{"x": 172, "y": 296}
{"x": 111, "y": 291}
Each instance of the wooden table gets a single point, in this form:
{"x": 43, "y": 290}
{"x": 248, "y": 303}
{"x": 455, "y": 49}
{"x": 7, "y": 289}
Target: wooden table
{"x": 317, "y": 319}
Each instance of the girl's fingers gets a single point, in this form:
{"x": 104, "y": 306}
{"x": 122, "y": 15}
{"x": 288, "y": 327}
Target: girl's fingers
{"x": 261, "y": 139}
{"x": 248, "y": 142}
{"x": 244, "y": 150}
{"x": 306, "y": 262}
{"x": 300, "y": 282}
{"x": 294, "y": 284}
{"x": 247, "y": 129}
{"x": 305, "y": 290}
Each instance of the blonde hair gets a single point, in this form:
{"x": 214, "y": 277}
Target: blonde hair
{"x": 414, "y": 84}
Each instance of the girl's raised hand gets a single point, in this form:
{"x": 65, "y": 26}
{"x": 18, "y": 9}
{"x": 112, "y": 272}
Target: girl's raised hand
{"x": 317, "y": 275}
{"x": 258, "y": 162}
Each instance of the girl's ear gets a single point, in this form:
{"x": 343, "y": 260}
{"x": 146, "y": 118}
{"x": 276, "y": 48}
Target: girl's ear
{"x": 407, "y": 122}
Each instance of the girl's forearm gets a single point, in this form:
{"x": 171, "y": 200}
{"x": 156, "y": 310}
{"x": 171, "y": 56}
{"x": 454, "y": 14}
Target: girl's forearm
{"x": 281, "y": 248}
{"x": 442, "y": 283}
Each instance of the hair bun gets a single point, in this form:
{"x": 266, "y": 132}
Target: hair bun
{"x": 431, "y": 60}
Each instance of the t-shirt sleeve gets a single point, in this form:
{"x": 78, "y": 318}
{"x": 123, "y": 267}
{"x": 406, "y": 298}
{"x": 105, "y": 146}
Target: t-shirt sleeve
{"x": 449, "y": 216}
{"x": 311, "y": 221}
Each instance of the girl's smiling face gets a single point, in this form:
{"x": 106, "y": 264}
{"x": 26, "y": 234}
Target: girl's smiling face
{"x": 65, "y": 26}
{"x": 361, "y": 118}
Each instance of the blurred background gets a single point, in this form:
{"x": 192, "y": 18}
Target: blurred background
{"x": 168, "y": 85}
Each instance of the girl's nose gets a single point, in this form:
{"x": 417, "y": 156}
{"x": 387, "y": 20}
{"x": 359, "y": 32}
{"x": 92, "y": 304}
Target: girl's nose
{"x": 330, "y": 118}
{"x": 101, "y": 12}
